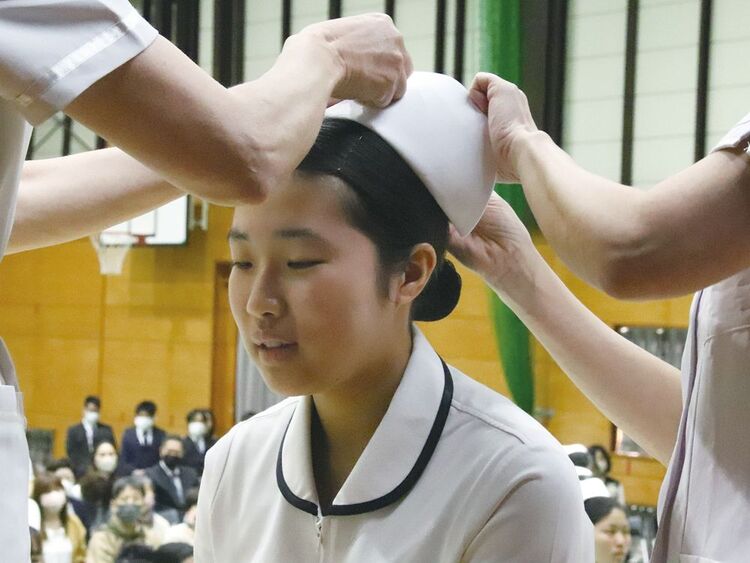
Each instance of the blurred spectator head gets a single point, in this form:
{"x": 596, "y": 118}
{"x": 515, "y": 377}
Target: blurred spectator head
{"x": 127, "y": 500}
{"x": 145, "y": 411}
{"x": 91, "y": 407}
{"x": 63, "y": 469}
{"x": 191, "y": 507}
{"x": 601, "y": 463}
{"x": 196, "y": 424}
{"x": 49, "y": 494}
{"x": 149, "y": 496}
{"x": 172, "y": 451}
{"x": 174, "y": 553}
{"x": 96, "y": 488}
{"x": 136, "y": 553}
{"x": 105, "y": 457}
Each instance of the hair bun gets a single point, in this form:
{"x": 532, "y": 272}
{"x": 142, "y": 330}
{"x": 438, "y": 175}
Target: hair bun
{"x": 440, "y": 295}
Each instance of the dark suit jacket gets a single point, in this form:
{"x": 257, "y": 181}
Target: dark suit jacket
{"x": 77, "y": 446}
{"x": 165, "y": 492}
{"x": 193, "y": 458}
{"x": 137, "y": 456}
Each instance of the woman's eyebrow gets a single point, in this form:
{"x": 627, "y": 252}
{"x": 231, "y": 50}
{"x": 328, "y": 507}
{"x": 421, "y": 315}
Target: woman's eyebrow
{"x": 235, "y": 234}
{"x": 299, "y": 234}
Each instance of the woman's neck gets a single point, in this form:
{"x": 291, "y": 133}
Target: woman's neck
{"x": 52, "y": 520}
{"x": 345, "y": 419}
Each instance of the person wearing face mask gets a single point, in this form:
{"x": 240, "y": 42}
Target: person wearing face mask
{"x": 172, "y": 480}
{"x": 63, "y": 469}
{"x": 124, "y": 525}
{"x": 141, "y": 442}
{"x": 198, "y": 441}
{"x": 82, "y": 437}
{"x": 184, "y": 532}
{"x": 150, "y": 519}
{"x": 63, "y": 535}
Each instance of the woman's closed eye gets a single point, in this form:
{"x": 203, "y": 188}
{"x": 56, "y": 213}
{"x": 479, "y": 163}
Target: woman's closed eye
{"x": 242, "y": 265}
{"x": 303, "y": 264}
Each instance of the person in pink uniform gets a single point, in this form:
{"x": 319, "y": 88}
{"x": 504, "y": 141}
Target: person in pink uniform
{"x": 687, "y": 233}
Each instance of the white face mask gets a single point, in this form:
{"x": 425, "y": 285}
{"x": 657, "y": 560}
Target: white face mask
{"x": 106, "y": 464}
{"x": 92, "y": 417}
{"x": 197, "y": 429}
{"x": 143, "y": 423}
{"x": 53, "y": 501}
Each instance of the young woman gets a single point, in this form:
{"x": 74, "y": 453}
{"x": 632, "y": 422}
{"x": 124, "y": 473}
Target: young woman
{"x": 385, "y": 453}
{"x": 62, "y": 533}
{"x": 611, "y": 529}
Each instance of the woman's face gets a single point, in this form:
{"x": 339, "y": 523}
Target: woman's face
{"x": 128, "y": 496}
{"x": 612, "y": 537}
{"x": 304, "y": 289}
{"x": 105, "y": 457}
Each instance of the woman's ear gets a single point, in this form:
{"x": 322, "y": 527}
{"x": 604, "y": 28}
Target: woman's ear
{"x": 407, "y": 286}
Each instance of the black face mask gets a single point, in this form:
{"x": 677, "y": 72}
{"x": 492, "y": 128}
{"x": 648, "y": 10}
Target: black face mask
{"x": 171, "y": 461}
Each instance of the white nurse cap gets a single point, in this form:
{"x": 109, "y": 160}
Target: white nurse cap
{"x": 593, "y": 487}
{"x": 437, "y": 130}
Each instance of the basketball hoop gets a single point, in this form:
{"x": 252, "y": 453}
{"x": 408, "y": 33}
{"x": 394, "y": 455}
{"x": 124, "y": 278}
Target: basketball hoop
{"x": 111, "y": 249}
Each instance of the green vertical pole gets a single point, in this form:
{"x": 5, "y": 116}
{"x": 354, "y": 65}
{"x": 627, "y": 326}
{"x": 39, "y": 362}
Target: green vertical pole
{"x": 501, "y": 55}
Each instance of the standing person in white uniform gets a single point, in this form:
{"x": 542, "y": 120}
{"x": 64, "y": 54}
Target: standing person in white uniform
{"x": 686, "y": 233}
{"x": 102, "y": 63}
{"x": 385, "y": 453}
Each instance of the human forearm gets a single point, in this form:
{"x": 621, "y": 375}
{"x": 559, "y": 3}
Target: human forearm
{"x": 62, "y": 199}
{"x": 166, "y": 112}
{"x": 637, "y": 391}
{"x": 683, "y": 234}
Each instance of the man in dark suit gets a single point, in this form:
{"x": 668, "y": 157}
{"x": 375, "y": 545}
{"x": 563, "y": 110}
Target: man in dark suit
{"x": 141, "y": 442}
{"x": 172, "y": 480}
{"x": 83, "y": 437}
{"x": 197, "y": 442}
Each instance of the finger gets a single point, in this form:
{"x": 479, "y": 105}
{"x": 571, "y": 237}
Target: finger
{"x": 479, "y": 99}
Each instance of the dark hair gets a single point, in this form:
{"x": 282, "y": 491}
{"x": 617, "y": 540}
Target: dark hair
{"x": 94, "y": 400}
{"x": 146, "y": 406}
{"x": 390, "y": 205}
{"x": 61, "y": 463}
{"x": 580, "y": 459}
{"x": 96, "y": 488}
{"x": 124, "y": 482}
{"x": 136, "y": 553}
{"x": 171, "y": 438}
{"x": 599, "y": 508}
{"x": 44, "y": 483}
{"x": 196, "y": 412}
{"x": 173, "y": 552}
{"x": 598, "y": 448}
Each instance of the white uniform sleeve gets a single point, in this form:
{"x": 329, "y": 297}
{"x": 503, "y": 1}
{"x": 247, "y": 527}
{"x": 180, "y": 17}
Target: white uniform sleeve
{"x": 738, "y": 136}
{"x": 541, "y": 519}
{"x": 216, "y": 459}
{"x": 52, "y": 50}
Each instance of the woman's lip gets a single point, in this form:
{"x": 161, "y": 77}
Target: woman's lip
{"x": 277, "y": 354}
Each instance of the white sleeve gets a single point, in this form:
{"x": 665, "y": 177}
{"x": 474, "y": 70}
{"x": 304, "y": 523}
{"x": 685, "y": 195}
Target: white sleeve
{"x": 541, "y": 519}
{"x": 52, "y": 50}
{"x": 738, "y": 136}
{"x": 213, "y": 470}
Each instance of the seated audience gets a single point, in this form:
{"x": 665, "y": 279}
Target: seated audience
{"x": 63, "y": 469}
{"x": 96, "y": 485}
{"x": 124, "y": 525}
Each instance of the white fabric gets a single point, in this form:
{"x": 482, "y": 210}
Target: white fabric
{"x": 57, "y": 548}
{"x": 437, "y": 130}
{"x": 738, "y": 136}
{"x": 498, "y": 487}
{"x": 709, "y": 494}
{"x": 52, "y": 50}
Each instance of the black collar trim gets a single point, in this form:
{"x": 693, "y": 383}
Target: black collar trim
{"x": 401, "y": 489}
